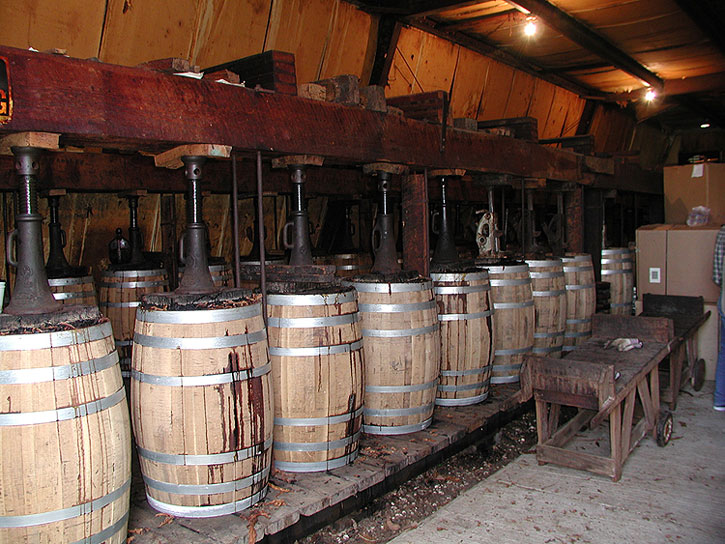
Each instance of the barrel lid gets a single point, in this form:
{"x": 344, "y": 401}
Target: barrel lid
{"x": 549, "y": 261}
{"x": 616, "y": 251}
{"x": 577, "y": 258}
{"x": 68, "y": 318}
{"x": 474, "y": 275}
{"x": 512, "y": 267}
{"x": 217, "y": 300}
{"x": 311, "y": 295}
{"x": 372, "y": 283}
{"x": 134, "y": 273}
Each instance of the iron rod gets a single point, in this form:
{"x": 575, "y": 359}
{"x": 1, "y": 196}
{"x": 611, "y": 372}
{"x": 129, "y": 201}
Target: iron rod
{"x": 235, "y": 221}
{"x": 260, "y": 233}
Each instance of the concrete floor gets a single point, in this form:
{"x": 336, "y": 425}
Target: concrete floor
{"x": 671, "y": 494}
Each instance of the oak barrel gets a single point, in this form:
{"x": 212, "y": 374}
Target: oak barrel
{"x": 581, "y": 298}
{"x": 65, "y": 434}
{"x": 201, "y": 404}
{"x": 549, "y": 290}
{"x": 74, "y": 291}
{"x": 119, "y": 295}
{"x": 466, "y": 328}
{"x": 348, "y": 264}
{"x": 402, "y": 353}
{"x": 513, "y": 319}
{"x": 618, "y": 270}
{"x": 315, "y": 346}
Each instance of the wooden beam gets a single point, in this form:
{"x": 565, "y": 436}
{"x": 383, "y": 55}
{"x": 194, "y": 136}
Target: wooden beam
{"x": 674, "y": 87}
{"x": 416, "y": 243}
{"x": 502, "y": 18}
{"x": 388, "y": 35}
{"x": 91, "y": 103}
{"x": 584, "y": 36}
{"x": 91, "y": 172}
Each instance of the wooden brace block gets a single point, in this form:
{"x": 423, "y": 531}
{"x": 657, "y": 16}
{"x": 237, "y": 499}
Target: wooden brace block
{"x": 535, "y": 183}
{"x": 172, "y": 158}
{"x": 389, "y": 167}
{"x": 313, "y": 91}
{"x": 447, "y": 172}
{"x": 372, "y": 97}
{"x": 42, "y": 140}
{"x": 297, "y": 160}
{"x": 226, "y": 75}
{"x": 53, "y": 192}
{"x": 343, "y": 89}
{"x": 169, "y": 65}
{"x": 465, "y": 123}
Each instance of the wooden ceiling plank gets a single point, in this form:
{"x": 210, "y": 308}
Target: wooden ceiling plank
{"x": 705, "y": 17}
{"x": 587, "y": 38}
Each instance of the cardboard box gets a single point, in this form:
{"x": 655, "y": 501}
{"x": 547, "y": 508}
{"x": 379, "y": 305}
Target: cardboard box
{"x": 693, "y": 185}
{"x": 652, "y": 259}
{"x": 689, "y": 262}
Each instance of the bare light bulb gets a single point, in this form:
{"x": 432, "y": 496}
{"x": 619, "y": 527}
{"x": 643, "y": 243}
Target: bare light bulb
{"x": 650, "y": 95}
{"x": 530, "y": 27}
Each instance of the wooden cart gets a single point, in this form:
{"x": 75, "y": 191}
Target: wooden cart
{"x": 688, "y": 314}
{"x": 603, "y": 384}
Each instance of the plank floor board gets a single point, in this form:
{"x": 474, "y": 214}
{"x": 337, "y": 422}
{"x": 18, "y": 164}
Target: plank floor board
{"x": 671, "y": 494}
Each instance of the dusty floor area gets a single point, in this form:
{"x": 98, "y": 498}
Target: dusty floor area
{"x": 406, "y": 506}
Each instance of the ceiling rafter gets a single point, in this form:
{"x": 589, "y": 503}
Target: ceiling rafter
{"x": 479, "y": 45}
{"x": 706, "y": 18}
{"x": 590, "y": 40}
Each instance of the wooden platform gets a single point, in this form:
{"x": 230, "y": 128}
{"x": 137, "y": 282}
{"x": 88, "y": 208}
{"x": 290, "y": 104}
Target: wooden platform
{"x": 297, "y": 503}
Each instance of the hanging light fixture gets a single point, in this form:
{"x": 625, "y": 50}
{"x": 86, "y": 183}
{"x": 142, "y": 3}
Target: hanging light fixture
{"x": 650, "y": 95}
{"x": 530, "y": 26}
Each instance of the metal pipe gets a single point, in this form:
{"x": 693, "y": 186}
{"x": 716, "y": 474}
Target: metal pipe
{"x": 386, "y": 258}
{"x": 445, "y": 251}
{"x": 260, "y": 234}
{"x": 134, "y": 232}
{"x": 57, "y": 264}
{"x": 235, "y": 222}
{"x": 298, "y": 227}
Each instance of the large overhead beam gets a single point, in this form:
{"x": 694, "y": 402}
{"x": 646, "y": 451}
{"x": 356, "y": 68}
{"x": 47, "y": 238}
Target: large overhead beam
{"x": 588, "y": 39}
{"x": 675, "y": 87}
{"x": 95, "y": 103}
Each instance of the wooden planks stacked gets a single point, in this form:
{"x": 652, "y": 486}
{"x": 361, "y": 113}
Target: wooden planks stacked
{"x": 273, "y": 70}
{"x": 466, "y": 333}
{"x": 316, "y": 351}
{"x": 201, "y": 404}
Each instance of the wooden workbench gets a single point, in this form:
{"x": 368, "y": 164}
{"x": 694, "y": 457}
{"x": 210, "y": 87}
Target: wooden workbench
{"x": 622, "y": 387}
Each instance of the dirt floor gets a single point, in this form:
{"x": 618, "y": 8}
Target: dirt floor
{"x": 403, "y": 508}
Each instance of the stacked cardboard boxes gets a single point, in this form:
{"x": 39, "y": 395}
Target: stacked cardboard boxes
{"x": 693, "y": 185}
{"x": 677, "y": 260}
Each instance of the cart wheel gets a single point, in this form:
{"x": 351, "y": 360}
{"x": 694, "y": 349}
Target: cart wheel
{"x": 698, "y": 374}
{"x": 665, "y": 424}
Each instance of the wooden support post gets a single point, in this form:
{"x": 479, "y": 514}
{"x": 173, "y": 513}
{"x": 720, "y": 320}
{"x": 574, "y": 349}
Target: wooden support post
{"x": 415, "y": 224}
{"x": 593, "y": 220}
{"x": 615, "y": 441}
{"x": 168, "y": 237}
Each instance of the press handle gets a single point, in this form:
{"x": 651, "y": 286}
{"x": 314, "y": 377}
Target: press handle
{"x": 10, "y": 243}
{"x": 287, "y": 241}
{"x": 182, "y": 252}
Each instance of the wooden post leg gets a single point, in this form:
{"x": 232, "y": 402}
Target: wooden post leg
{"x": 627, "y": 419}
{"x": 676, "y": 361}
{"x": 542, "y": 421}
{"x": 654, "y": 386}
{"x": 554, "y": 412}
{"x": 415, "y": 224}
{"x": 615, "y": 439}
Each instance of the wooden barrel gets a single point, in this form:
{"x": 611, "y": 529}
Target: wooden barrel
{"x": 221, "y": 274}
{"x": 315, "y": 346}
{"x": 74, "y": 291}
{"x": 549, "y": 290}
{"x": 119, "y": 295}
{"x": 581, "y": 299}
{"x": 402, "y": 354}
{"x": 466, "y": 328}
{"x": 348, "y": 264}
{"x": 618, "y": 270}
{"x": 513, "y": 320}
{"x": 201, "y": 406}
{"x": 66, "y": 438}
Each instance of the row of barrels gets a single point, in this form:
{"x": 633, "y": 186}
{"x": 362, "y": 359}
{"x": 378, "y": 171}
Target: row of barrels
{"x": 204, "y": 382}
